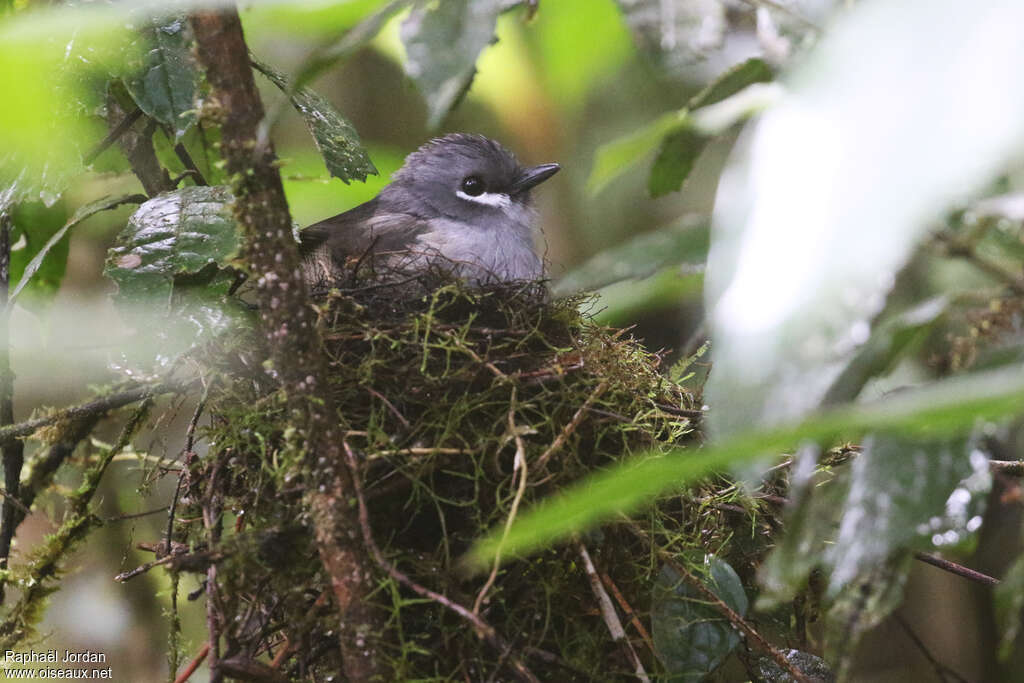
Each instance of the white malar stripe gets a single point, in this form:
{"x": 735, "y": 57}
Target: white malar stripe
{"x": 496, "y": 199}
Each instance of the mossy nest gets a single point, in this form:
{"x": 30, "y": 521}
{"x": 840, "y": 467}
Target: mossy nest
{"x": 436, "y": 393}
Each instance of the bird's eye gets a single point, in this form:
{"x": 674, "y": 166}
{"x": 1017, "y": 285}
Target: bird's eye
{"x": 473, "y": 186}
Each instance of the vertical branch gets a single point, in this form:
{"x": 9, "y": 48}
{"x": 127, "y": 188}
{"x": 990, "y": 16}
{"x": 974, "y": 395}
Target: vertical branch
{"x": 13, "y": 450}
{"x": 290, "y": 327}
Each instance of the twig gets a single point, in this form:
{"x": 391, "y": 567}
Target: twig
{"x": 1012, "y": 468}
{"x": 11, "y": 449}
{"x": 96, "y": 407}
{"x": 519, "y": 463}
{"x": 958, "y": 569}
{"x": 571, "y": 427}
{"x": 134, "y": 515}
{"x": 142, "y": 569}
{"x": 966, "y": 251}
{"x": 190, "y": 165}
{"x": 608, "y": 613}
{"x": 116, "y": 132}
{"x": 627, "y": 609}
{"x": 729, "y": 613}
{"x": 194, "y": 665}
{"x": 943, "y": 671}
{"x": 483, "y": 629}
{"x": 212, "y": 522}
{"x": 190, "y": 435}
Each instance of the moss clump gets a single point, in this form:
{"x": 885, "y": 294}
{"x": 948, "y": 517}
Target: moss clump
{"x": 436, "y": 391}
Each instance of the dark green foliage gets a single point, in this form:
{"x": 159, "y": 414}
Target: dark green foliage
{"x": 693, "y": 638}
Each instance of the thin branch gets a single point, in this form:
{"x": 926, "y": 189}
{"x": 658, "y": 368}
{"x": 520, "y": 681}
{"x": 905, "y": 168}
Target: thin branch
{"x": 194, "y": 665}
{"x": 967, "y": 251}
{"x": 483, "y": 629}
{"x": 608, "y": 613}
{"x": 1012, "y": 468}
{"x": 97, "y": 407}
{"x": 958, "y": 569}
{"x": 11, "y": 449}
{"x": 944, "y": 672}
{"x": 628, "y": 610}
{"x": 567, "y": 431}
{"x": 519, "y": 464}
{"x": 115, "y": 133}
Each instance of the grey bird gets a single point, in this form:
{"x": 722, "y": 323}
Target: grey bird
{"x": 460, "y": 203}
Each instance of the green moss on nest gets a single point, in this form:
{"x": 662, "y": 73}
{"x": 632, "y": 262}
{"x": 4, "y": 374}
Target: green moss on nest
{"x": 426, "y": 387}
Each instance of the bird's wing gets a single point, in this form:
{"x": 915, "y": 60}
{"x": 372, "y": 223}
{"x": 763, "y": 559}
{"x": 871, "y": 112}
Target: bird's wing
{"x": 366, "y": 228}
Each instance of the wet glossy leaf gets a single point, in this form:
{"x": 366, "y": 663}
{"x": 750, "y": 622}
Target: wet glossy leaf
{"x": 940, "y": 410}
{"x": 165, "y": 85}
{"x": 683, "y": 242}
{"x": 442, "y": 43}
{"x": 691, "y": 637}
{"x": 334, "y": 136}
{"x": 181, "y": 233}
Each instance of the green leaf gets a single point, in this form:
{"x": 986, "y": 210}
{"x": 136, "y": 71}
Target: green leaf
{"x": 685, "y": 241}
{"x": 180, "y": 233}
{"x": 35, "y": 272}
{"x": 691, "y": 637}
{"x": 680, "y": 149}
{"x": 442, "y": 43}
{"x": 943, "y": 408}
{"x": 677, "y": 135}
{"x": 614, "y": 158}
{"x": 165, "y": 86}
{"x": 334, "y": 136}
{"x": 675, "y": 160}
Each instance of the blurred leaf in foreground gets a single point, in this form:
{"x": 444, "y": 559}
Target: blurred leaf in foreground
{"x": 442, "y": 42}
{"x": 942, "y": 409}
{"x": 841, "y": 180}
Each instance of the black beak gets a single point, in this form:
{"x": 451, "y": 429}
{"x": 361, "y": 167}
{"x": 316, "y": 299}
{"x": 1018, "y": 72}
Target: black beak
{"x": 529, "y": 177}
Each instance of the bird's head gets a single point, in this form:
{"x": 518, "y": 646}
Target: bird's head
{"x": 464, "y": 176}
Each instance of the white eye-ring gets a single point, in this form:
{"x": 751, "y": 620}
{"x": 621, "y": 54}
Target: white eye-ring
{"x": 496, "y": 199}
